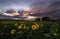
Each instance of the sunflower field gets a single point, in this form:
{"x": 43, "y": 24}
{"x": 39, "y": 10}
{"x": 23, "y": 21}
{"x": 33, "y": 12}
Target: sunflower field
{"x": 29, "y": 30}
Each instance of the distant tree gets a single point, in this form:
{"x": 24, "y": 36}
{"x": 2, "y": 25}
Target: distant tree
{"x": 37, "y": 19}
{"x": 46, "y": 19}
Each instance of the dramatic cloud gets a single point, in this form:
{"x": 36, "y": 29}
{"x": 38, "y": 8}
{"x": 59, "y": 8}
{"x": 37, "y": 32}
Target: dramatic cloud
{"x": 8, "y": 14}
{"x": 53, "y": 11}
{"x": 35, "y": 7}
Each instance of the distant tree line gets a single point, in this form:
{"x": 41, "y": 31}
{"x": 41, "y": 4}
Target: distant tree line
{"x": 46, "y": 19}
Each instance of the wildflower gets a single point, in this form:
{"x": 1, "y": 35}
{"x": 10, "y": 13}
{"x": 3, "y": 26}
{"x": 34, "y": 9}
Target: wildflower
{"x": 24, "y": 27}
{"x": 20, "y": 27}
{"x": 22, "y": 24}
{"x": 34, "y": 27}
{"x": 13, "y": 31}
{"x": 15, "y": 24}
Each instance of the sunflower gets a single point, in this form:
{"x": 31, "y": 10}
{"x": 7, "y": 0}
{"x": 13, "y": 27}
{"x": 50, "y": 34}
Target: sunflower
{"x": 34, "y": 27}
{"x": 13, "y": 31}
{"x": 20, "y": 27}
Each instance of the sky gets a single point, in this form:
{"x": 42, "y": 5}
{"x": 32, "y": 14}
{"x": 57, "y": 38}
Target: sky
{"x": 40, "y": 7}
{"x": 5, "y": 4}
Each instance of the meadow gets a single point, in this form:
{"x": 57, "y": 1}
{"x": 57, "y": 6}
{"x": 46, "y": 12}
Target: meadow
{"x": 29, "y": 30}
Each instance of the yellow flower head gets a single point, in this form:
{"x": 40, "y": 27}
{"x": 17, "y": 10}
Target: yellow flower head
{"x": 20, "y": 27}
{"x": 13, "y": 31}
{"x": 34, "y": 27}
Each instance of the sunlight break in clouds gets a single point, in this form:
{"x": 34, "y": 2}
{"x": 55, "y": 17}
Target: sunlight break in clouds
{"x": 8, "y": 14}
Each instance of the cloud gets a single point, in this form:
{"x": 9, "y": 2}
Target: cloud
{"x": 39, "y": 7}
{"x": 53, "y": 10}
{"x": 10, "y": 14}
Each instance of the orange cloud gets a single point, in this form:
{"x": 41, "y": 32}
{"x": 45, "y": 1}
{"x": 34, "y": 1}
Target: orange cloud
{"x": 14, "y": 14}
{"x": 8, "y": 14}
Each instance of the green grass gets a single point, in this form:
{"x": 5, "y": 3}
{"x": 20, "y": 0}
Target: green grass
{"x": 24, "y": 30}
